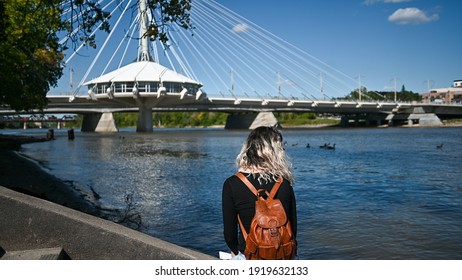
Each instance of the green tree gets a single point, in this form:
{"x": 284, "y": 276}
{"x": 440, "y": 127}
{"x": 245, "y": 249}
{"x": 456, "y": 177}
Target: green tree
{"x": 403, "y": 95}
{"x": 31, "y": 58}
{"x": 84, "y": 15}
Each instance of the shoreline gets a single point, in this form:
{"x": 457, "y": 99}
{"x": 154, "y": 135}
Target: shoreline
{"x": 24, "y": 175}
{"x": 34, "y": 223}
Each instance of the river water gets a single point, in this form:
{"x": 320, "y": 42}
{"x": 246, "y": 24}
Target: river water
{"x": 381, "y": 194}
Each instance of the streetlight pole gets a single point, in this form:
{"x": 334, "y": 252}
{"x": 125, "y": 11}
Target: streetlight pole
{"x": 321, "y": 86}
{"x": 359, "y": 87}
{"x": 71, "y": 86}
{"x": 395, "y": 90}
{"x": 231, "y": 72}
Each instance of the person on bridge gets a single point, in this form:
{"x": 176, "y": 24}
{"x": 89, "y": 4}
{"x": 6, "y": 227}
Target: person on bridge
{"x": 262, "y": 160}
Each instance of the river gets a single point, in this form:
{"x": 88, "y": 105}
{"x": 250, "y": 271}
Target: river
{"x": 383, "y": 193}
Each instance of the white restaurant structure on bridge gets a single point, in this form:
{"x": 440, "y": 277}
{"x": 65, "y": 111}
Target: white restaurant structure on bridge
{"x": 142, "y": 79}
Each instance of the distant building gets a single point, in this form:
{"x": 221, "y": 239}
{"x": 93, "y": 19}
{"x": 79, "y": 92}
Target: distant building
{"x": 445, "y": 95}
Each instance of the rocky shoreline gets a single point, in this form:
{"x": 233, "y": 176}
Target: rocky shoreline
{"x": 26, "y": 176}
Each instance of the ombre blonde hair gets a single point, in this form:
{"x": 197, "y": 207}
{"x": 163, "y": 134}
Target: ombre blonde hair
{"x": 263, "y": 155}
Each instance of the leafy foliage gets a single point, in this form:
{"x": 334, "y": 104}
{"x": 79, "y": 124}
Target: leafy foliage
{"x": 300, "y": 119}
{"x": 30, "y": 56}
{"x": 174, "y": 119}
{"x": 207, "y": 119}
{"x": 403, "y": 95}
{"x": 85, "y": 15}
{"x": 170, "y": 11}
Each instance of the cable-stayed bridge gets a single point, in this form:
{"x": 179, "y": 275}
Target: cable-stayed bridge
{"x": 228, "y": 54}
{"x": 227, "y": 63}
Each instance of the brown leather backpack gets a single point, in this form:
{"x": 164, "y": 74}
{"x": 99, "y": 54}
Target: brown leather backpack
{"x": 270, "y": 236}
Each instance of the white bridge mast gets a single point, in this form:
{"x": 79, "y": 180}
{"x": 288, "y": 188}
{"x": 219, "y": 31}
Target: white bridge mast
{"x": 143, "y": 48}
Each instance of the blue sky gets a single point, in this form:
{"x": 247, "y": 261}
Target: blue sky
{"x": 412, "y": 41}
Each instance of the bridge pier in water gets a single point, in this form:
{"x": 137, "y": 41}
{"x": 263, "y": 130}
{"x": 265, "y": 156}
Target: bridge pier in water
{"x": 144, "y": 119}
{"x": 99, "y": 122}
{"x": 250, "y": 120}
{"x": 418, "y": 115}
{"x": 357, "y": 120}
{"x": 421, "y": 119}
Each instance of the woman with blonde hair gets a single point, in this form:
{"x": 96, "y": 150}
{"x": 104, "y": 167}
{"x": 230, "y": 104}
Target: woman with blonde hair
{"x": 262, "y": 161}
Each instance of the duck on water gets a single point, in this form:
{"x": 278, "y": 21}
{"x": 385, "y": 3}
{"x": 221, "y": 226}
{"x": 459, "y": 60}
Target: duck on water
{"x": 328, "y": 146}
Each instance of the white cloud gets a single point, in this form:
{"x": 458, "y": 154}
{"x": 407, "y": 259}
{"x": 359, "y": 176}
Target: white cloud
{"x": 241, "y": 27}
{"x": 411, "y": 16}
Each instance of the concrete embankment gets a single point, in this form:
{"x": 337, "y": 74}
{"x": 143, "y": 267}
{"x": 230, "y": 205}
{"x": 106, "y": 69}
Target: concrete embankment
{"x": 30, "y": 223}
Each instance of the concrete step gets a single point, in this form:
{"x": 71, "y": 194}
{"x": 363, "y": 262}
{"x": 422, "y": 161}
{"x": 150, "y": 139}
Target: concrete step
{"x": 37, "y": 254}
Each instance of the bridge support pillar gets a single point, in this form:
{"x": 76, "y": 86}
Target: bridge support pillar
{"x": 344, "y": 121}
{"x": 426, "y": 119}
{"x": 422, "y": 119}
{"x": 250, "y": 120}
{"x": 144, "y": 120}
{"x": 99, "y": 122}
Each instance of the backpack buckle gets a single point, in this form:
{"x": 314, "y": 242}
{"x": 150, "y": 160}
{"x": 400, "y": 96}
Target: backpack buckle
{"x": 274, "y": 232}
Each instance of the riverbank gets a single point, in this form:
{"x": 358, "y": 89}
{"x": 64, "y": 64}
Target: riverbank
{"x": 32, "y": 228}
{"x": 26, "y": 176}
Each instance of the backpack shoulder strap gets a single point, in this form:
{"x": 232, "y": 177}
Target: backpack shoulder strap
{"x": 276, "y": 186}
{"x": 253, "y": 190}
{"x": 244, "y": 232}
{"x": 247, "y": 183}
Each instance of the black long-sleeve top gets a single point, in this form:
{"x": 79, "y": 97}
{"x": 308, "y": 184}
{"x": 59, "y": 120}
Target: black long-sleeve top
{"x": 238, "y": 199}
